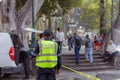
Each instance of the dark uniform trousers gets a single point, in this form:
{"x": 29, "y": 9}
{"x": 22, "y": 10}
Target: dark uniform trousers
{"x": 46, "y": 74}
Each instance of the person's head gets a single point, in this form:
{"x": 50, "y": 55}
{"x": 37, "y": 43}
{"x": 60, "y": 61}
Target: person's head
{"x": 87, "y": 36}
{"x": 99, "y": 35}
{"x": 47, "y": 33}
{"x": 75, "y": 33}
{"x": 58, "y": 29}
{"x": 41, "y": 35}
{"x": 110, "y": 42}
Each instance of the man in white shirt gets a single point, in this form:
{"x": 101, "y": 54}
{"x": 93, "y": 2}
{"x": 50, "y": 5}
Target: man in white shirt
{"x": 111, "y": 48}
{"x": 111, "y": 51}
{"x": 59, "y": 35}
{"x": 59, "y": 40}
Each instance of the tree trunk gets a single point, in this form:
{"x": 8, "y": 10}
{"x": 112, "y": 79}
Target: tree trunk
{"x": 65, "y": 26}
{"x": 116, "y": 32}
{"x": 102, "y": 16}
{"x": 49, "y": 22}
{"x": 13, "y": 20}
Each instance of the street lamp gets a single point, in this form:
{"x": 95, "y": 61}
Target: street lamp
{"x": 112, "y": 13}
{"x": 33, "y": 26}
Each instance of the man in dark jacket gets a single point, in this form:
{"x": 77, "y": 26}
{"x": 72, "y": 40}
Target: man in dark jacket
{"x": 46, "y": 57}
{"x": 77, "y": 43}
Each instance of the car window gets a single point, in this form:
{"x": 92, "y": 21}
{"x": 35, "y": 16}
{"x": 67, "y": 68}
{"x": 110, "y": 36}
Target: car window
{"x": 16, "y": 41}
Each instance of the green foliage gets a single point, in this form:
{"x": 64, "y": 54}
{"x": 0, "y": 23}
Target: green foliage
{"x": 90, "y": 13}
{"x": 89, "y": 10}
{"x": 66, "y": 5}
{"x": 48, "y": 7}
{"x": 103, "y": 30}
{"x": 19, "y": 4}
{"x": 108, "y": 6}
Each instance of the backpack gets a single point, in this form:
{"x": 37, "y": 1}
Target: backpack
{"x": 78, "y": 40}
{"x": 88, "y": 43}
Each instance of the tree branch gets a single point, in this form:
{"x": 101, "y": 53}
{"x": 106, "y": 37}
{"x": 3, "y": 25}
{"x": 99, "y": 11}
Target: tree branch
{"x": 25, "y": 14}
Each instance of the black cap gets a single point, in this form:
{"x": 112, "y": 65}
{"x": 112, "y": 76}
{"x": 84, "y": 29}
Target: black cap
{"x": 47, "y": 32}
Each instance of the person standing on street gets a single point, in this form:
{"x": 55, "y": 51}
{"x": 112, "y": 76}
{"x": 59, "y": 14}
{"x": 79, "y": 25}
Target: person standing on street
{"x": 77, "y": 43}
{"x": 88, "y": 49}
{"x": 23, "y": 52}
{"x": 59, "y": 40}
{"x": 46, "y": 59}
{"x": 70, "y": 46}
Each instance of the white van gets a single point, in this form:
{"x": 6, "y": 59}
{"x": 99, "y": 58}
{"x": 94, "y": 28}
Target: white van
{"x": 10, "y": 58}
{"x": 9, "y": 54}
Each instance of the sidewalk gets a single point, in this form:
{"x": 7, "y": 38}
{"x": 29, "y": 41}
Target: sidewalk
{"x": 66, "y": 51}
{"x": 103, "y": 75}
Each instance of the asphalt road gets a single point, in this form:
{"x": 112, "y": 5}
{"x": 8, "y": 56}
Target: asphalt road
{"x": 64, "y": 75}
{"x": 69, "y": 75}
{"x": 16, "y": 77}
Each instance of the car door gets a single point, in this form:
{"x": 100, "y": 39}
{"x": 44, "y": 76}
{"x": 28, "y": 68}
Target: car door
{"x": 7, "y": 56}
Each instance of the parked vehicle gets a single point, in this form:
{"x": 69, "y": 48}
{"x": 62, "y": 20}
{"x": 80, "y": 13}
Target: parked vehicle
{"x": 10, "y": 48}
{"x": 9, "y": 54}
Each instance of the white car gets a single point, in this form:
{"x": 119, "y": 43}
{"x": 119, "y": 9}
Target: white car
{"x": 9, "y": 54}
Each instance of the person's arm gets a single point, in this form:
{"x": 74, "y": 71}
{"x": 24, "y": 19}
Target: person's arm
{"x": 57, "y": 37}
{"x": 36, "y": 50}
{"x": 109, "y": 49}
{"x": 114, "y": 47}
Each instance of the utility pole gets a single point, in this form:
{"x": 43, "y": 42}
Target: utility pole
{"x": 33, "y": 43}
{"x": 112, "y": 15}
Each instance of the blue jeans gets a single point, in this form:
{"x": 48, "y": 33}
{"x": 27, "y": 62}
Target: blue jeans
{"x": 59, "y": 63}
{"x": 59, "y": 51}
{"x": 88, "y": 54}
{"x": 77, "y": 49}
{"x": 70, "y": 45}
{"x": 46, "y": 74}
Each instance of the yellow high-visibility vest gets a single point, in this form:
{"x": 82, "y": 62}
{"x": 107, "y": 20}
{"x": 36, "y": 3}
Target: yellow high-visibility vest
{"x": 47, "y": 57}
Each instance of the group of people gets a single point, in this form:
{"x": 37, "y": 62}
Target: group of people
{"x": 90, "y": 46}
{"x": 97, "y": 42}
{"x": 49, "y": 49}
{"x": 77, "y": 41}
{"x": 110, "y": 51}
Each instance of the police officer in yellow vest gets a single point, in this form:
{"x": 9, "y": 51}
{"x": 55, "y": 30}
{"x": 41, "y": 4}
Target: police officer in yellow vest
{"x": 46, "y": 59}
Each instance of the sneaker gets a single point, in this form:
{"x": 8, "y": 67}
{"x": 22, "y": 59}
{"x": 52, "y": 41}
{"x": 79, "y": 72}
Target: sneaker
{"x": 91, "y": 63}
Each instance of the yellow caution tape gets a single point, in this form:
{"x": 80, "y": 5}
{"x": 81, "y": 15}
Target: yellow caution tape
{"x": 81, "y": 73}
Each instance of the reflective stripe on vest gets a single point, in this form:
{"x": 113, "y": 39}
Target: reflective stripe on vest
{"x": 47, "y": 57}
